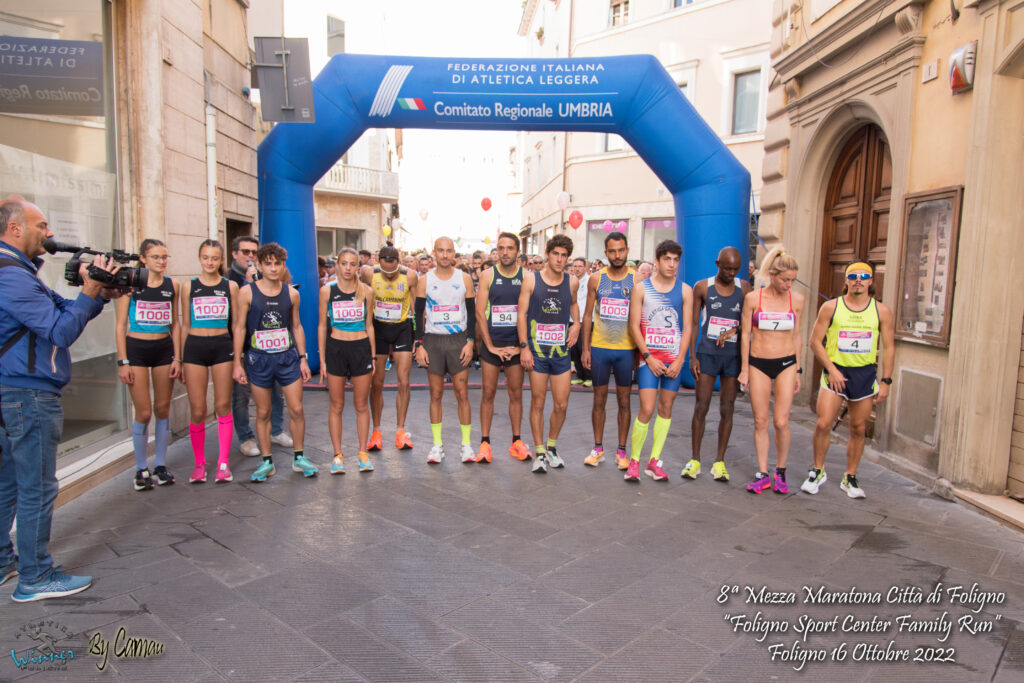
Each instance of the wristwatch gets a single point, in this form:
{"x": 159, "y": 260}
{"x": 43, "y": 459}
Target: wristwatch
{"x": 303, "y": 355}
{"x": 645, "y": 355}
{"x": 886, "y": 380}
{"x": 123, "y": 362}
{"x": 523, "y": 345}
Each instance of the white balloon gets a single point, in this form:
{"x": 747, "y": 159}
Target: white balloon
{"x": 563, "y": 200}
{"x": 397, "y": 224}
{"x": 423, "y": 214}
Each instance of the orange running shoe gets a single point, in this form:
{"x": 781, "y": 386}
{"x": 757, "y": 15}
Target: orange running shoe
{"x": 484, "y": 454}
{"x": 402, "y": 440}
{"x": 376, "y": 441}
{"x": 519, "y": 450}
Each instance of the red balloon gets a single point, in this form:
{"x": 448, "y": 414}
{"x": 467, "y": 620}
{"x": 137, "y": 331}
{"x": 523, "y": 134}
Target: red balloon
{"x": 485, "y": 204}
{"x": 575, "y": 219}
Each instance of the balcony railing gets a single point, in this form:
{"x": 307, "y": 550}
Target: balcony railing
{"x": 359, "y": 182}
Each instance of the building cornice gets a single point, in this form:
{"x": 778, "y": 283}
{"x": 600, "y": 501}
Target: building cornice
{"x": 529, "y": 10}
{"x": 847, "y": 31}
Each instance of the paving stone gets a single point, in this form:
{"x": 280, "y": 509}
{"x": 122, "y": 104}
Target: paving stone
{"x": 412, "y": 632}
{"x": 331, "y": 672}
{"x": 468, "y": 662}
{"x": 601, "y": 572}
{"x": 656, "y": 656}
{"x": 539, "y": 602}
{"x": 368, "y": 655}
{"x": 183, "y": 598}
{"x": 177, "y": 661}
{"x": 510, "y": 550}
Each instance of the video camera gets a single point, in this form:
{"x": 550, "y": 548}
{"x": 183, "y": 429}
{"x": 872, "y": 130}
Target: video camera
{"x": 124, "y": 279}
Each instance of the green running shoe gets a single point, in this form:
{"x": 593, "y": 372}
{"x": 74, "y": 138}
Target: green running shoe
{"x": 266, "y": 469}
{"x": 692, "y": 470}
{"x": 718, "y": 471}
{"x": 302, "y": 464}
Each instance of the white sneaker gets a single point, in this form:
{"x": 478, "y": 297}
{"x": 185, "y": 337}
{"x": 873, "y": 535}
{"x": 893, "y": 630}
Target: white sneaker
{"x": 540, "y": 463}
{"x": 467, "y": 453}
{"x": 553, "y": 459}
{"x": 282, "y": 439}
{"x": 436, "y": 454}
{"x": 249, "y": 448}
{"x": 852, "y": 488}
{"x": 815, "y": 478}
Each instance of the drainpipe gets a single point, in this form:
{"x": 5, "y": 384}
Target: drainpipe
{"x": 211, "y": 162}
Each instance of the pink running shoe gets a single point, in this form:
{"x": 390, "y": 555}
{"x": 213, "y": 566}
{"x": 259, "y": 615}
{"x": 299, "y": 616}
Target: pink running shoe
{"x": 760, "y": 484}
{"x": 198, "y": 475}
{"x": 780, "y": 485}
{"x": 655, "y": 471}
{"x": 223, "y": 473}
{"x": 633, "y": 471}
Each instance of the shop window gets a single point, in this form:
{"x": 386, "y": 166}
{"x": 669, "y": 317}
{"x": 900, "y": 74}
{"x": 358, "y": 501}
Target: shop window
{"x": 335, "y": 36}
{"x": 656, "y": 230}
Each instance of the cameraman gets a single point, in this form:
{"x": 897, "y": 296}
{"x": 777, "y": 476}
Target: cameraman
{"x": 37, "y": 326}
{"x": 243, "y": 272}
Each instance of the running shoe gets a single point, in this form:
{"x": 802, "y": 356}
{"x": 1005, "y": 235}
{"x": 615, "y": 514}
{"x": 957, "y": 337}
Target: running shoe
{"x": 249, "y": 448}
{"x": 338, "y": 464}
{"x": 436, "y": 454}
{"x": 387, "y": 364}
{"x": 376, "y": 441}
{"x": 718, "y": 471}
{"x": 198, "y": 475}
{"x": 852, "y": 488}
{"x": 162, "y": 476}
{"x": 621, "y": 458}
{"x": 223, "y": 474}
{"x": 9, "y": 571}
{"x": 519, "y": 450}
{"x": 595, "y": 457}
{"x": 303, "y": 464}
{"x": 588, "y": 382}
{"x": 467, "y": 453}
{"x": 554, "y": 460}
{"x": 282, "y": 439}
{"x": 576, "y": 382}
{"x": 364, "y": 462}
{"x": 57, "y": 585}
{"x": 761, "y": 483}
{"x": 143, "y": 480}
{"x": 779, "y": 484}
{"x": 540, "y": 463}
{"x": 655, "y": 471}
{"x": 692, "y": 469}
{"x": 266, "y": 469}
{"x": 815, "y": 478}
{"x": 632, "y": 471}
{"x": 402, "y": 440}
{"x": 484, "y": 454}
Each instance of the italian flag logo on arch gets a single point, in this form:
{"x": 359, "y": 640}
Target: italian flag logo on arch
{"x": 413, "y": 103}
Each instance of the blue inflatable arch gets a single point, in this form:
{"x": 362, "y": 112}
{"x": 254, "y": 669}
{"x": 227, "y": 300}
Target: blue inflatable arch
{"x": 630, "y": 95}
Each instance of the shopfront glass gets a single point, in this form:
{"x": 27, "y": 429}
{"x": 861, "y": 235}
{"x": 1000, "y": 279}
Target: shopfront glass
{"x": 656, "y": 230}
{"x": 597, "y": 231}
{"x": 57, "y": 151}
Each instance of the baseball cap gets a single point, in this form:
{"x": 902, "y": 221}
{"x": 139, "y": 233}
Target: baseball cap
{"x": 388, "y": 254}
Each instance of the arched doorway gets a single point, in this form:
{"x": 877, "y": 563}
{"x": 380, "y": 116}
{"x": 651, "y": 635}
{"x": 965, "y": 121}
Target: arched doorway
{"x": 855, "y": 224}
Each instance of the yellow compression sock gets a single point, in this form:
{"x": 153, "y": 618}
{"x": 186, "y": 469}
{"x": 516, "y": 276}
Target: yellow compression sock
{"x": 661, "y": 426}
{"x": 435, "y": 429}
{"x": 639, "y": 437}
{"x": 465, "y": 433}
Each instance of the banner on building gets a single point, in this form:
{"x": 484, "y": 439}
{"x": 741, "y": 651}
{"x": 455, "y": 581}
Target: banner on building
{"x": 54, "y": 77}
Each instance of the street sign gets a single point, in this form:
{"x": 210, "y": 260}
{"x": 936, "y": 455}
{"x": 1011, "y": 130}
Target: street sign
{"x": 281, "y": 73}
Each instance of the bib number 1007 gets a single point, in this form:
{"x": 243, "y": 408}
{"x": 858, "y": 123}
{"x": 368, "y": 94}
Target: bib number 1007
{"x": 210, "y": 308}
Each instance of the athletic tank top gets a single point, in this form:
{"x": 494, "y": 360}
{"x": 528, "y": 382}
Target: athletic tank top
{"x": 661, "y": 320}
{"x": 852, "y": 338}
{"x": 720, "y": 313}
{"x": 269, "y": 322}
{"x": 446, "y": 304}
{"x": 345, "y": 312}
{"x": 611, "y": 312}
{"x": 503, "y": 307}
{"x": 210, "y": 306}
{"x": 767, "y": 320}
{"x": 390, "y": 297}
{"x": 150, "y": 309}
{"x": 549, "y": 317}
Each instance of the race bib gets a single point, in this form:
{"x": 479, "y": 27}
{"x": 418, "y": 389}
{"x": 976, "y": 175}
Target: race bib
{"x": 443, "y": 314}
{"x": 551, "y": 335}
{"x": 153, "y": 312}
{"x": 347, "y": 311}
{"x": 387, "y": 311}
{"x": 775, "y": 321}
{"x": 504, "y": 316}
{"x": 717, "y": 326}
{"x": 614, "y": 309}
{"x": 210, "y": 308}
{"x": 854, "y": 341}
{"x": 272, "y": 341}
{"x": 662, "y": 339}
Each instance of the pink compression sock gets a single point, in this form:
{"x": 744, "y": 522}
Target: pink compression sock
{"x": 224, "y": 426}
{"x": 197, "y": 434}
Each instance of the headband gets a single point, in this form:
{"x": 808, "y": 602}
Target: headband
{"x": 859, "y": 265}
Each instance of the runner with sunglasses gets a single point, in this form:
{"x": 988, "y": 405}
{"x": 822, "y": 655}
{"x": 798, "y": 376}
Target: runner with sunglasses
{"x": 850, "y": 326}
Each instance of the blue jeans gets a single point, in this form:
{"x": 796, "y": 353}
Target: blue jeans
{"x": 33, "y": 422}
{"x": 240, "y": 397}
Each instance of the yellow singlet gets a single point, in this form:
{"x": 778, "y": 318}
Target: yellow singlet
{"x": 391, "y": 297}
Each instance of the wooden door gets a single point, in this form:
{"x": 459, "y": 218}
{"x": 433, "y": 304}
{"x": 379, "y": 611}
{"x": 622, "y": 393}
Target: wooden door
{"x": 855, "y": 226}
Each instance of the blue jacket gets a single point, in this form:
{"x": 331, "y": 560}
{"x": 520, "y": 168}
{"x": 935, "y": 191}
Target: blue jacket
{"x": 57, "y": 322}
